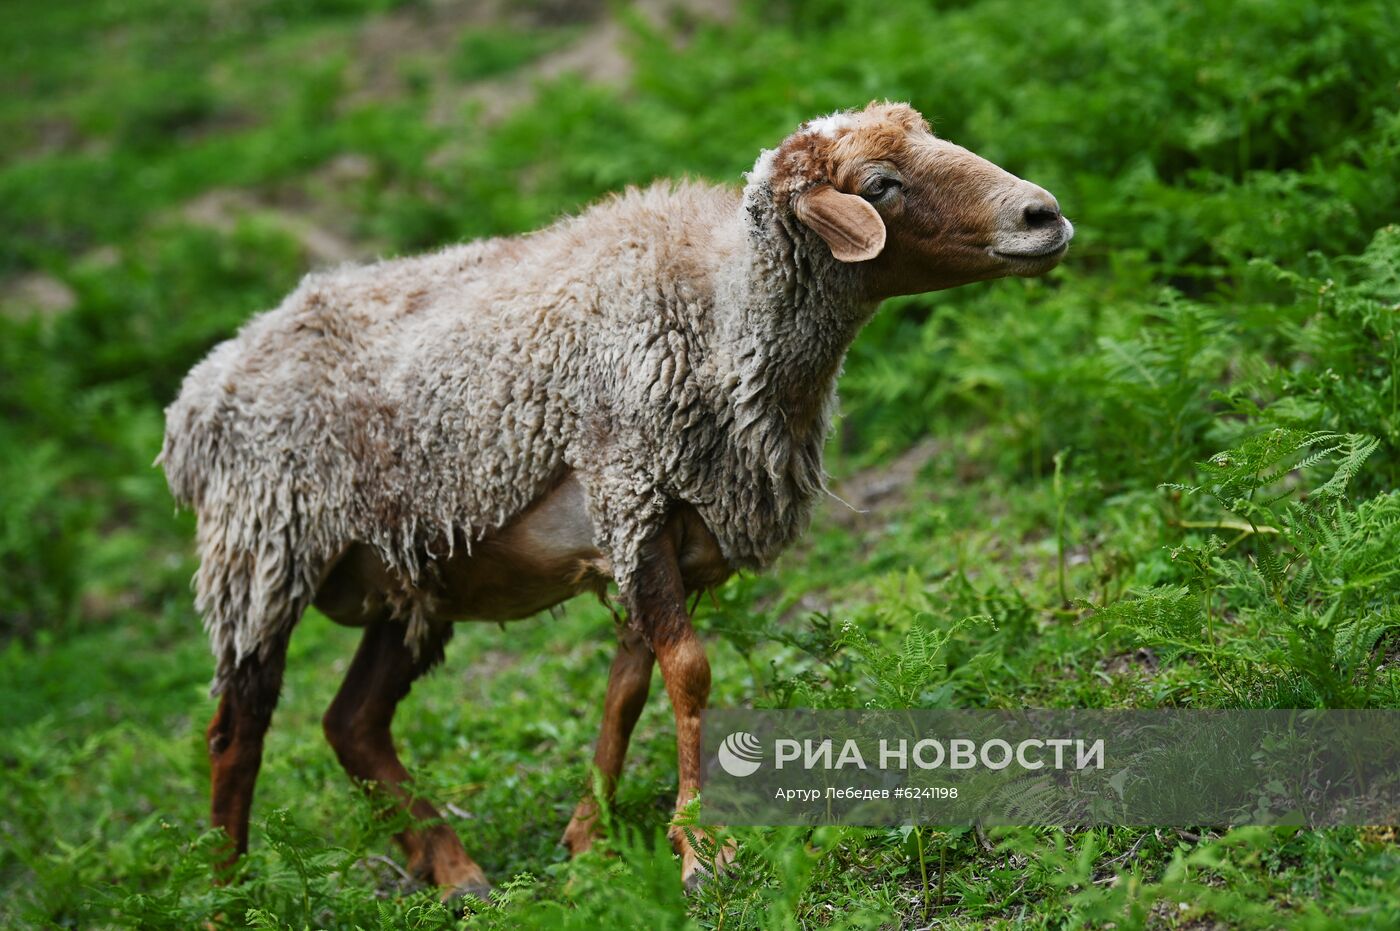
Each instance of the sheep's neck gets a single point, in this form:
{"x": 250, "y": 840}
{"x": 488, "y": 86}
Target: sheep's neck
{"x": 791, "y": 366}
{"x": 785, "y": 323}
{"x": 791, "y": 318}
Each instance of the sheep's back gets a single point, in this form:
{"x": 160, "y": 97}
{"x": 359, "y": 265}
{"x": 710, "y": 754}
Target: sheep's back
{"x": 416, "y": 404}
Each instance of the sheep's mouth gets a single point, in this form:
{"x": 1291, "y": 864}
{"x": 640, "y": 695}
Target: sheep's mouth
{"x": 1054, "y": 250}
{"x": 1035, "y": 246}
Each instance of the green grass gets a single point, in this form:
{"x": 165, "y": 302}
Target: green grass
{"x": 1163, "y": 476}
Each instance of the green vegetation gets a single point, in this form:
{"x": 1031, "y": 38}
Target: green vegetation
{"x": 485, "y": 53}
{"x": 1165, "y": 475}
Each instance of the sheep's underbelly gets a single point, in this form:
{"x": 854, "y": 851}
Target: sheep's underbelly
{"x": 543, "y": 557}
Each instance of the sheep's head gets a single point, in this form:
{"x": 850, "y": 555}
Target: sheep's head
{"x": 914, "y": 212}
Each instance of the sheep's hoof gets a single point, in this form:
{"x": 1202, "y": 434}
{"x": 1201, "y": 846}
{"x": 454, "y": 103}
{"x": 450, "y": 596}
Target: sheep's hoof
{"x": 459, "y": 898}
{"x": 582, "y": 831}
{"x": 696, "y": 872}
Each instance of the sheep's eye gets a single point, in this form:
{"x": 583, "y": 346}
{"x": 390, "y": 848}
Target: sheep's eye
{"x": 878, "y": 187}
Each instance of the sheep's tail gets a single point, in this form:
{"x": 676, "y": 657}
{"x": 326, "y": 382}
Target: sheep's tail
{"x": 201, "y": 429}
{"x": 257, "y": 566}
{"x": 255, "y": 577}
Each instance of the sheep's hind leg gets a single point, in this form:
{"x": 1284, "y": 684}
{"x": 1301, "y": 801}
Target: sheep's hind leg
{"x": 235, "y": 741}
{"x": 628, "y": 684}
{"x": 357, "y": 726}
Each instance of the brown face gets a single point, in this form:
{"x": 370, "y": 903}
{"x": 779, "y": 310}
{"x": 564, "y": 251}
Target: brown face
{"x": 917, "y": 213}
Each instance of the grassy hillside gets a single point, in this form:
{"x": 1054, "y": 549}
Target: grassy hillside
{"x": 1163, "y": 476}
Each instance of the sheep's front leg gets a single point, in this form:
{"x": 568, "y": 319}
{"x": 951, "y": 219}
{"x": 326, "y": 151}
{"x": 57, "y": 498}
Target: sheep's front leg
{"x": 660, "y": 603}
{"x": 687, "y": 674}
{"x": 628, "y": 684}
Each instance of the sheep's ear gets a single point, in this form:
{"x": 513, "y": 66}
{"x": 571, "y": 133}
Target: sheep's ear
{"x": 851, "y": 227}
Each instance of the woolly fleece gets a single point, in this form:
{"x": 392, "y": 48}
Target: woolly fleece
{"x": 674, "y": 344}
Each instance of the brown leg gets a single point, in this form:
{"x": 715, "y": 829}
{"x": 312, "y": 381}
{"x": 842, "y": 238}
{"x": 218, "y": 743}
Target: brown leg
{"x": 628, "y": 684}
{"x": 357, "y": 726}
{"x": 235, "y": 740}
{"x": 660, "y": 606}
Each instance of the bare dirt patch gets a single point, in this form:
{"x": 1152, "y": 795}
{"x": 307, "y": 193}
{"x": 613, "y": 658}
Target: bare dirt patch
{"x": 420, "y": 43}
{"x": 222, "y": 209}
{"x": 35, "y": 294}
{"x": 869, "y": 497}
{"x": 1141, "y": 662}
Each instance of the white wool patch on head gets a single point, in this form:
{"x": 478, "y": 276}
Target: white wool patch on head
{"x": 763, "y": 168}
{"x": 827, "y": 126}
{"x": 830, "y": 125}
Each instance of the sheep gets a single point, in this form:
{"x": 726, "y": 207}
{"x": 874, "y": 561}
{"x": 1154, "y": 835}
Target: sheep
{"x": 636, "y": 395}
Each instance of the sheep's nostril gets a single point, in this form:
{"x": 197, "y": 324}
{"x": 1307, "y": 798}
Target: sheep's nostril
{"x": 1038, "y": 216}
